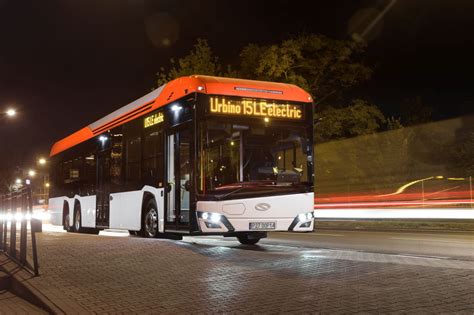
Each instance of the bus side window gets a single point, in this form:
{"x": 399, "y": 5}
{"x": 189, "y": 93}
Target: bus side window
{"x": 133, "y": 159}
{"x": 153, "y": 158}
{"x": 89, "y": 174}
{"x": 116, "y": 155}
{"x": 132, "y": 155}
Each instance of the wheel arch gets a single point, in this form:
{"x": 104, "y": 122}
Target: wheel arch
{"x": 150, "y": 192}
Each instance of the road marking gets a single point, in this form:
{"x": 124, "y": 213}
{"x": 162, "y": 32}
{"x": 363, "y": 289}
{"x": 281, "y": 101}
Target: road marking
{"x": 429, "y": 240}
{"x": 313, "y": 234}
{"x": 422, "y": 256}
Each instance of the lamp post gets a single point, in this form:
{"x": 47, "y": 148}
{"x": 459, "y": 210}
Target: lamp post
{"x": 44, "y": 186}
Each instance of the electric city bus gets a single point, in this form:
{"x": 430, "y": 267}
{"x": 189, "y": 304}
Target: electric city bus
{"x": 199, "y": 155}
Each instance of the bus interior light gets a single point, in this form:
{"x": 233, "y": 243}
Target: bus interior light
{"x": 176, "y": 108}
{"x": 103, "y": 139}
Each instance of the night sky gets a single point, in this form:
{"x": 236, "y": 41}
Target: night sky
{"x": 66, "y": 63}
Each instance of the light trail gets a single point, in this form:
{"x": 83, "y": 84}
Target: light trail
{"x": 377, "y": 213}
{"x": 392, "y": 203}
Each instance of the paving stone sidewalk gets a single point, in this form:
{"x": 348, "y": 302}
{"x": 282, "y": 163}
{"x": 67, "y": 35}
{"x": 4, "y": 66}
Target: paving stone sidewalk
{"x": 100, "y": 274}
{"x": 12, "y": 304}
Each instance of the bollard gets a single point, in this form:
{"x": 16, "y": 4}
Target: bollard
{"x": 24, "y": 229}
{"x": 36, "y": 225}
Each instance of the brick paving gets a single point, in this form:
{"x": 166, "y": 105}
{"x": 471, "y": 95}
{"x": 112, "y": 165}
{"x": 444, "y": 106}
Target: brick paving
{"x": 12, "y": 304}
{"x": 100, "y": 274}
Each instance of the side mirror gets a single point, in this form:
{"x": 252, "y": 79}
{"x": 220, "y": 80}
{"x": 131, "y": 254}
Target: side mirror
{"x": 168, "y": 187}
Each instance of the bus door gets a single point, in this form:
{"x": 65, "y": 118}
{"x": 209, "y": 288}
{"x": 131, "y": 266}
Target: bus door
{"x": 103, "y": 189}
{"x": 178, "y": 178}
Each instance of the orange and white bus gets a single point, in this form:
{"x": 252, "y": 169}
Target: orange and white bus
{"x": 199, "y": 155}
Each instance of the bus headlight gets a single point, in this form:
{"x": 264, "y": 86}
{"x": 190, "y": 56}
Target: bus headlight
{"x": 211, "y": 217}
{"x": 215, "y": 221}
{"x": 302, "y": 217}
{"x": 308, "y": 216}
{"x": 215, "y": 218}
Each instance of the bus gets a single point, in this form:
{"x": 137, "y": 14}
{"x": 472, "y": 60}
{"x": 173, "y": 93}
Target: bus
{"x": 200, "y": 155}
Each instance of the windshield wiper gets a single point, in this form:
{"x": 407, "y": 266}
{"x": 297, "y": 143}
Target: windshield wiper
{"x": 220, "y": 197}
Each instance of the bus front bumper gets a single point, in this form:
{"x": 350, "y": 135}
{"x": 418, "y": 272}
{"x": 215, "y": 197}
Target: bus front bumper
{"x": 218, "y": 223}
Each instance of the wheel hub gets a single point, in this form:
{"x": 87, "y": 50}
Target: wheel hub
{"x": 151, "y": 222}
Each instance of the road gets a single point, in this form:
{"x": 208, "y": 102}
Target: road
{"x": 433, "y": 244}
{"x": 442, "y": 245}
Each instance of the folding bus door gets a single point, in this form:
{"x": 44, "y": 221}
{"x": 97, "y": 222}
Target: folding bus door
{"x": 178, "y": 175}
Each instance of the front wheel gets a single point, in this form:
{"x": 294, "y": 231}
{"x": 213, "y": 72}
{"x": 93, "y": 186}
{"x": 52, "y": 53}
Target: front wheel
{"x": 246, "y": 240}
{"x": 150, "y": 220}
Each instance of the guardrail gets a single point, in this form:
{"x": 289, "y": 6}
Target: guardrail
{"x": 16, "y": 208}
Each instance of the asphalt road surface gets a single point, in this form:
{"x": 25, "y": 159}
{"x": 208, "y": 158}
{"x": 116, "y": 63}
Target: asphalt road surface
{"x": 453, "y": 245}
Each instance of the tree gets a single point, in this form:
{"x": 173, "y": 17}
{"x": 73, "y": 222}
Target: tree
{"x": 359, "y": 118}
{"x": 200, "y": 60}
{"x": 6, "y": 180}
{"x": 414, "y": 111}
{"x": 323, "y": 66}
{"x": 466, "y": 155}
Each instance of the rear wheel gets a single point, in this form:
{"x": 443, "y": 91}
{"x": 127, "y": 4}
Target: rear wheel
{"x": 150, "y": 220}
{"x": 77, "y": 219}
{"x": 247, "y": 239}
{"x": 66, "y": 225}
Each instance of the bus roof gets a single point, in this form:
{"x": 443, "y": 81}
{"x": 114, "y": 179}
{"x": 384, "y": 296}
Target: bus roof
{"x": 179, "y": 88}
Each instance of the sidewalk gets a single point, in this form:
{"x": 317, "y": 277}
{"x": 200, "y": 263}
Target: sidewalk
{"x": 82, "y": 273}
{"x": 11, "y": 303}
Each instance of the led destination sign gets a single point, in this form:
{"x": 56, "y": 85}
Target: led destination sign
{"x": 255, "y": 108}
{"x": 153, "y": 120}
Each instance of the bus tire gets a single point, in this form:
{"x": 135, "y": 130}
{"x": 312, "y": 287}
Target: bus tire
{"x": 77, "y": 219}
{"x": 150, "y": 220}
{"x": 66, "y": 211}
{"x": 246, "y": 240}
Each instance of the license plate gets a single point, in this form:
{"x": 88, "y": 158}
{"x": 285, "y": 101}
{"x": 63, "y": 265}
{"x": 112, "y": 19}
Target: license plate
{"x": 262, "y": 225}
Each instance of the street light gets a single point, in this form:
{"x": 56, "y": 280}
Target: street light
{"x": 10, "y": 112}
{"x": 42, "y": 161}
{"x": 32, "y": 173}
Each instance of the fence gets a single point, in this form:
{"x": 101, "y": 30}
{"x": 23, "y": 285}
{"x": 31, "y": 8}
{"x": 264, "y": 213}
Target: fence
{"x": 16, "y": 211}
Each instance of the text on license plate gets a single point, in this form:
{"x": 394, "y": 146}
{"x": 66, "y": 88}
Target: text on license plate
{"x": 262, "y": 225}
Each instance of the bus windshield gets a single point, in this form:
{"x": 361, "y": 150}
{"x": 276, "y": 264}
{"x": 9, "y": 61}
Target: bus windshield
{"x": 253, "y": 156}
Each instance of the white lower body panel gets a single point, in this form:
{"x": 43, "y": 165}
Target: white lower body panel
{"x": 125, "y": 209}
{"x": 283, "y": 211}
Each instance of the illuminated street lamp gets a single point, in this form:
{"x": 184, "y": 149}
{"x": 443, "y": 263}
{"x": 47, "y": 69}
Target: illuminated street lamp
{"x": 10, "y": 112}
{"x": 31, "y": 173}
{"x": 42, "y": 161}
{"x": 18, "y": 181}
